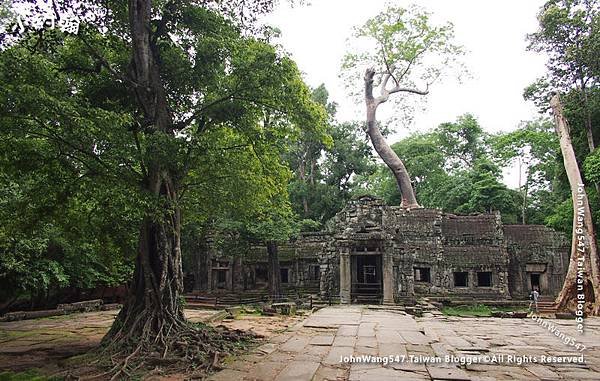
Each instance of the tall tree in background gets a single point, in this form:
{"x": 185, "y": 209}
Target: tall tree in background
{"x": 583, "y": 275}
{"x": 534, "y": 147}
{"x": 304, "y": 157}
{"x": 405, "y": 56}
{"x": 570, "y": 34}
{"x": 326, "y": 169}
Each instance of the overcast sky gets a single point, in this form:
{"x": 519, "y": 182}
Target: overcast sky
{"x": 493, "y": 33}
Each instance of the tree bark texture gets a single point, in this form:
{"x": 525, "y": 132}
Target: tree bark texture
{"x": 383, "y": 149}
{"x": 274, "y": 270}
{"x": 582, "y": 227}
{"x": 152, "y": 309}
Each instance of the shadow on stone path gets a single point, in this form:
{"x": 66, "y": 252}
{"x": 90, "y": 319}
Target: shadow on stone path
{"x": 312, "y": 349}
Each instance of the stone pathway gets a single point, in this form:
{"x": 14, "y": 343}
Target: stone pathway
{"x": 312, "y": 349}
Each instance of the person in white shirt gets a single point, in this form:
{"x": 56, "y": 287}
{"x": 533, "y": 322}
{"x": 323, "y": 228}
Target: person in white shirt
{"x": 533, "y": 299}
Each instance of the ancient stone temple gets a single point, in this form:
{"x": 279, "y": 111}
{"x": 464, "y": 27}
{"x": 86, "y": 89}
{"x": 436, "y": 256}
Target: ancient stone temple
{"x": 374, "y": 252}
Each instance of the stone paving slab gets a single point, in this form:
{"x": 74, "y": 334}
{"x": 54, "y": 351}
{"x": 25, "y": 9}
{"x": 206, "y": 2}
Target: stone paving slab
{"x": 384, "y": 374}
{"x": 312, "y": 350}
{"x": 447, "y": 373}
{"x": 298, "y": 370}
{"x": 330, "y": 373}
{"x": 344, "y": 341}
{"x": 347, "y": 330}
{"x": 295, "y": 344}
{"x": 542, "y": 372}
{"x": 336, "y": 353}
{"x": 322, "y": 340}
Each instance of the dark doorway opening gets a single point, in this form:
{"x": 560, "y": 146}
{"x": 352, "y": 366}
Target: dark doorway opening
{"x": 261, "y": 274}
{"x": 284, "y": 275}
{"x": 367, "y": 278}
{"x": 221, "y": 281}
{"x": 535, "y": 281}
{"x": 314, "y": 273}
{"x": 484, "y": 279}
{"x": 461, "y": 279}
{"x": 422, "y": 274}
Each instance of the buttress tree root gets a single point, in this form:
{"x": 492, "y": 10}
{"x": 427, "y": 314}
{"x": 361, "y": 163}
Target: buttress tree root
{"x": 166, "y": 346}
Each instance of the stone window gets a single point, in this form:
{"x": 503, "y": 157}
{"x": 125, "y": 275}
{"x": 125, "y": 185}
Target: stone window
{"x": 284, "y": 275}
{"x": 484, "y": 279}
{"x": 422, "y": 274}
{"x": 461, "y": 279}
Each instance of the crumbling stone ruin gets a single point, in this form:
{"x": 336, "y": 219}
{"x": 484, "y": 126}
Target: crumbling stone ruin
{"x": 372, "y": 252}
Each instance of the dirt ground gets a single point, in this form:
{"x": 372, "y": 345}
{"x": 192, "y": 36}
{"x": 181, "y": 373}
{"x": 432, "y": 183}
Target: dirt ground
{"x": 47, "y": 344}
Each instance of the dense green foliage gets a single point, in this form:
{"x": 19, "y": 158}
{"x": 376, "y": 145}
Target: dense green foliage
{"x": 452, "y": 169}
{"x": 75, "y": 148}
{"x": 325, "y": 171}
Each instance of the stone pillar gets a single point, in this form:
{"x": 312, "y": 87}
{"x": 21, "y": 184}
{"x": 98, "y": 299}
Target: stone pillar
{"x": 388, "y": 279}
{"x": 345, "y": 277}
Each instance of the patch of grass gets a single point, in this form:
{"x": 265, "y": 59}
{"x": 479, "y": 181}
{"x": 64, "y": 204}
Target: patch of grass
{"x": 58, "y": 317}
{"x": 29, "y": 375}
{"x": 25, "y": 334}
{"x": 252, "y": 312}
{"x": 476, "y": 310}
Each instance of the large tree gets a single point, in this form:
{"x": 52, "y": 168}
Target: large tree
{"x": 131, "y": 99}
{"x": 569, "y": 33}
{"x": 405, "y": 53}
{"x": 583, "y": 274}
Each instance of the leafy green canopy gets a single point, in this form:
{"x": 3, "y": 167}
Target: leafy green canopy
{"x": 569, "y": 33}
{"x": 325, "y": 171}
{"x": 452, "y": 169}
{"x": 407, "y": 51}
{"x": 75, "y": 148}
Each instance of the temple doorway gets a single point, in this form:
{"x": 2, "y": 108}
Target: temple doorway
{"x": 367, "y": 285}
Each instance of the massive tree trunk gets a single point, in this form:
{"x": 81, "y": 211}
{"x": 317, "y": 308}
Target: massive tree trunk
{"x": 152, "y": 309}
{"x": 384, "y": 151}
{"x": 583, "y": 275}
{"x": 274, "y": 270}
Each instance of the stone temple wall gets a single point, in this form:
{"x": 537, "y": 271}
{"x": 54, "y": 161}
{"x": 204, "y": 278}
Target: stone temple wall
{"x": 426, "y": 247}
{"x": 536, "y": 249}
{"x": 216, "y": 270}
{"x": 415, "y": 252}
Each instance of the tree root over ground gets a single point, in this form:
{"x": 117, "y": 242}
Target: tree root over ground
{"x": 193, "y": 350}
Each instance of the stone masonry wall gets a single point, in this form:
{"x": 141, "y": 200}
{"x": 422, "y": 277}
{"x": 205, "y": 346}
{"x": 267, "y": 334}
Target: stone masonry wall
{"x": 453, "y": 255}
{"x": 536, "y": 249}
